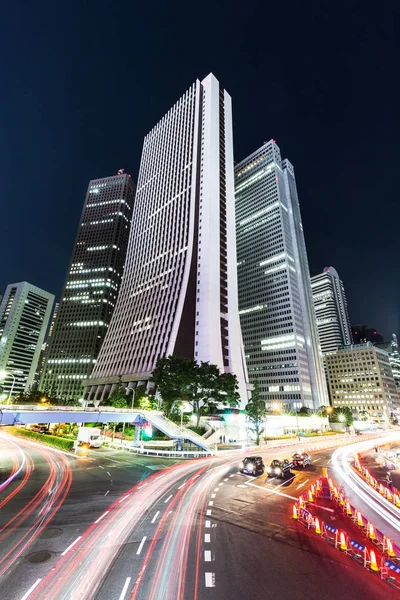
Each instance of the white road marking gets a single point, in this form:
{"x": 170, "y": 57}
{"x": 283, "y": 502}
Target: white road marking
{"x": 226, "y": 479}
{"x": 207, "y": 538}
{"x": 212, "y": 495}
{"x": 107, "y": 492}
{"x": 155, "y": 516}
{"x": 124, "y": 589}
{"x": 270, "y": 490}
{"x": 102, "y": 516}
{"x": 208, "y": 513}
{"x": 326, "y": 508}
{"x": 301, "y": 484}
{"x": 222, "y": 483}
{"x": 138, "y": 551}
{"x": 124, "y": 498}
{"x": 29, "y": 592}
{"x": 181, "y": 486}
{"x": 108, "y": 473}
{"x": 169, "y": 498}
{"x": 216, "y": 489}
{"x": 71, "y": 545}
{"x": 207, "y": 555}
{"x": 211, "y": 503}
{"x": 210, "y": 579}
{"x": 142, "y": 486}
{"x": 208, "y": 524}
{"x": 101, "y": 467}
{"x": 233, "y": 475}
{"x": 316, "y": 459}
{"x": 241, "y": 485}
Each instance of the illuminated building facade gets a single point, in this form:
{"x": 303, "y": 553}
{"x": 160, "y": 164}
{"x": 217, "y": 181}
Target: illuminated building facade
{"x": 179, "y": 292}
{"x": 360, "y": 378}
{"x": 91, "y": 286}
{"x": 24, "y": 317}
{"x": 275, "y": 301}
{"x": 330, "y": 305}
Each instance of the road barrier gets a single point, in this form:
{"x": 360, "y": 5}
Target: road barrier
{"x": 382, "y": 559}
{"x": 392, "y": 495}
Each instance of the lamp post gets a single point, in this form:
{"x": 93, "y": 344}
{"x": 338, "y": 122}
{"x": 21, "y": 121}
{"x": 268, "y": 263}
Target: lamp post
{"x": 3, "y": 375}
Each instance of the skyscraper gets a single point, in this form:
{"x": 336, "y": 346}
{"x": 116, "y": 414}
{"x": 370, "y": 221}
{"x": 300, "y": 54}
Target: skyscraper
{"x": 276, "y": 308}
{"x": 91, "y": 286}
{"x": 42, "y": 357}
{"x": 331, "y": 310}
{"x": 179, "y": 292}
{"x": 24, "y": 317}
{"x": 392, "y": 349}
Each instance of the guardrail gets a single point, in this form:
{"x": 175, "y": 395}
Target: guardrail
{"x": 156, "y": 452}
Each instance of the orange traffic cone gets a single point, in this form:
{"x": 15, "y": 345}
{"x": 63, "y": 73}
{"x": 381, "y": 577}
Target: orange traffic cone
{"x": 360, "y": 521}
{"x": 396, "y": 500}
{"x": 294, "y": 515}
{"x": 348, "y": 509}
{"x": 381, "y": 489}
{"x": 373, "y": 566}
{"x": 389, "y": 548}
{"x": 317, "y": 527}
{"x": 310, "y": 496}
{"x": 330, "y": 483}
{"x": 371, "y": 532}
{"x": 301, "y": 502}
{"x": 343, "y": 545}
{"x": 341, "y": 501}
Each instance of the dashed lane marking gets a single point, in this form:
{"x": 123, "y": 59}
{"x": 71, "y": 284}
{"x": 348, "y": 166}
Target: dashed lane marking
{"x": 271, "y": 491}
{"x": 208, "y": 513}
{"x": 102, "y": 517}
{"x": 226, "y": 479}
{"x": 107, "y": 492}
{"x": 207, "y": 538}
{"x": 208, "y": 524}
{"x": 123, "y": 499}
{"x": 210, "y": 579}
{"x": 125, "y": 588}
{"x": 211, "y": 503}
{"x": 138, "y": 551}
{"x": 155, "y": 516}
{"x": 29, "y": 592}
{"x": 108, "y": 473}
{"x": 216, "y": 489}
{"x": 168, "y": 499}
{"x": 71, "y": 546}
{"x": 212, "y": 495}
{"x": 207, "y": 555}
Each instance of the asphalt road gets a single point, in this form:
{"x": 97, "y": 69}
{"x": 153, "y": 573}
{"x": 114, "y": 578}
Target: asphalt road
{"x": 130, "y": 530}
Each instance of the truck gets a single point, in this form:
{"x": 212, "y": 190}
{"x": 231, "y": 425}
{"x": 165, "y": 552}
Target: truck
{"x": 91, "y": 436}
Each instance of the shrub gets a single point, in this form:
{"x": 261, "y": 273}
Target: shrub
{"x": 48, "y": 440}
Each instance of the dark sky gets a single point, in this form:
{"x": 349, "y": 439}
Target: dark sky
{"x": 83, "y": 82}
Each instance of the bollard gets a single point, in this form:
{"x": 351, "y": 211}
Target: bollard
{"x": 371, "y": 532}
{"x": 317, "y": 527}
{"x": 343, "y": 545}
{"x": 348, "y": 509}
{"x": 373, "y": 565}
{"x": 294, "y": 515}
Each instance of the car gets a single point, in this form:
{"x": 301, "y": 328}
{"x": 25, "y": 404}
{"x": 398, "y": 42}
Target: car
{"x": 279, "y": 468}
{"x": 301, "y": 460}
{"x": 252, "y": 465}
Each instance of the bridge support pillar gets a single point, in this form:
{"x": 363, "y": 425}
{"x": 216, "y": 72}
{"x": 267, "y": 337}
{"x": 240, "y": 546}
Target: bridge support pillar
{"x": 136, "y": 439}
{"x": 180, "y": 445}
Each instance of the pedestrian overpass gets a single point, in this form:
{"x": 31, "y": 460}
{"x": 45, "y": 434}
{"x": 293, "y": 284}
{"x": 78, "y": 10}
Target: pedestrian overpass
{"x": 30, "y": 414}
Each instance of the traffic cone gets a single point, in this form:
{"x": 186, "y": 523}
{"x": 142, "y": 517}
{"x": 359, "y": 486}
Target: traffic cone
{"x": 389, "y": 548}
{"x": 389, "y": 496}
{"x": 312, "y": 489}
{"x": 397, "y": 500}
{"x": 343, "y": 545}
{"x": 294, "y": 515}
{"x": 341, "y": 501}
{"x": 317, "y": 527}
{"x": 330, "y": 483}
{"x": 301, "y": 502}
{"x": 310, "y": 496}
{"x": 371, "y": 532}
{"x": 348, "y": 509}
{"x": 381, "y": 489}
{"x": 374, "y": 565}
{"x": 360, "y": 521}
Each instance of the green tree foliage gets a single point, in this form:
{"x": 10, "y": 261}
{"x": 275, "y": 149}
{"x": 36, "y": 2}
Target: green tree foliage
{"x": 203, "y": 386}
{"x": 304, "y": 411}
{"x": 118, "y": 398}
{"x": 342, "y": 414}
{"x": 255, "y": 411}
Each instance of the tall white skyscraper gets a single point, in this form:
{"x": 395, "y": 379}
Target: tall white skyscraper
{"x": 276, "y": 307}
{"x": 179, "y": 291}
{"x": 331, "y": 310}
{"x": 24, "y": 317}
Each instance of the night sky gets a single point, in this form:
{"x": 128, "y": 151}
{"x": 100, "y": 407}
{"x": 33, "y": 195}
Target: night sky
{"x": 83, "y": 82}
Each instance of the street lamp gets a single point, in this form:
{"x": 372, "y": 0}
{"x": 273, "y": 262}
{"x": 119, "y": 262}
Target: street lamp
{"x": 3, "y": 375}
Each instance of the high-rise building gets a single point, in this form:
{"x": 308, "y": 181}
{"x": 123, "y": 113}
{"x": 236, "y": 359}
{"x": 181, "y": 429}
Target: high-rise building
{"x": 330, "y": 305}
{"x": 275, "y": 302}
{"x": 24, "y": 317}
{"x": 360, "y": 378}
{"x": 362, "y": 334}
{"x": 392, "y": 349}
{"x": 91, "y": 286}
{"x": 42, "y": 357}
{"x": 179, "y": 292}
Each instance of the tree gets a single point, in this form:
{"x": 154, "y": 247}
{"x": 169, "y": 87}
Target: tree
{"x": 342, "y": 414}
{"x": 304, "y": 411}
{"x": 171, "y": 377}
{"x": 118, "y": 398}
{"x": 255, "y": 411}
{"x": 208, "y": 388}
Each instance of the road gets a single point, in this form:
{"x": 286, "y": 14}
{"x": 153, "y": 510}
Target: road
{"x": 196, "y": 530}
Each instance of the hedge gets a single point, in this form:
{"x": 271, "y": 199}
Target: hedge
{"x": 49, "y": 440}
